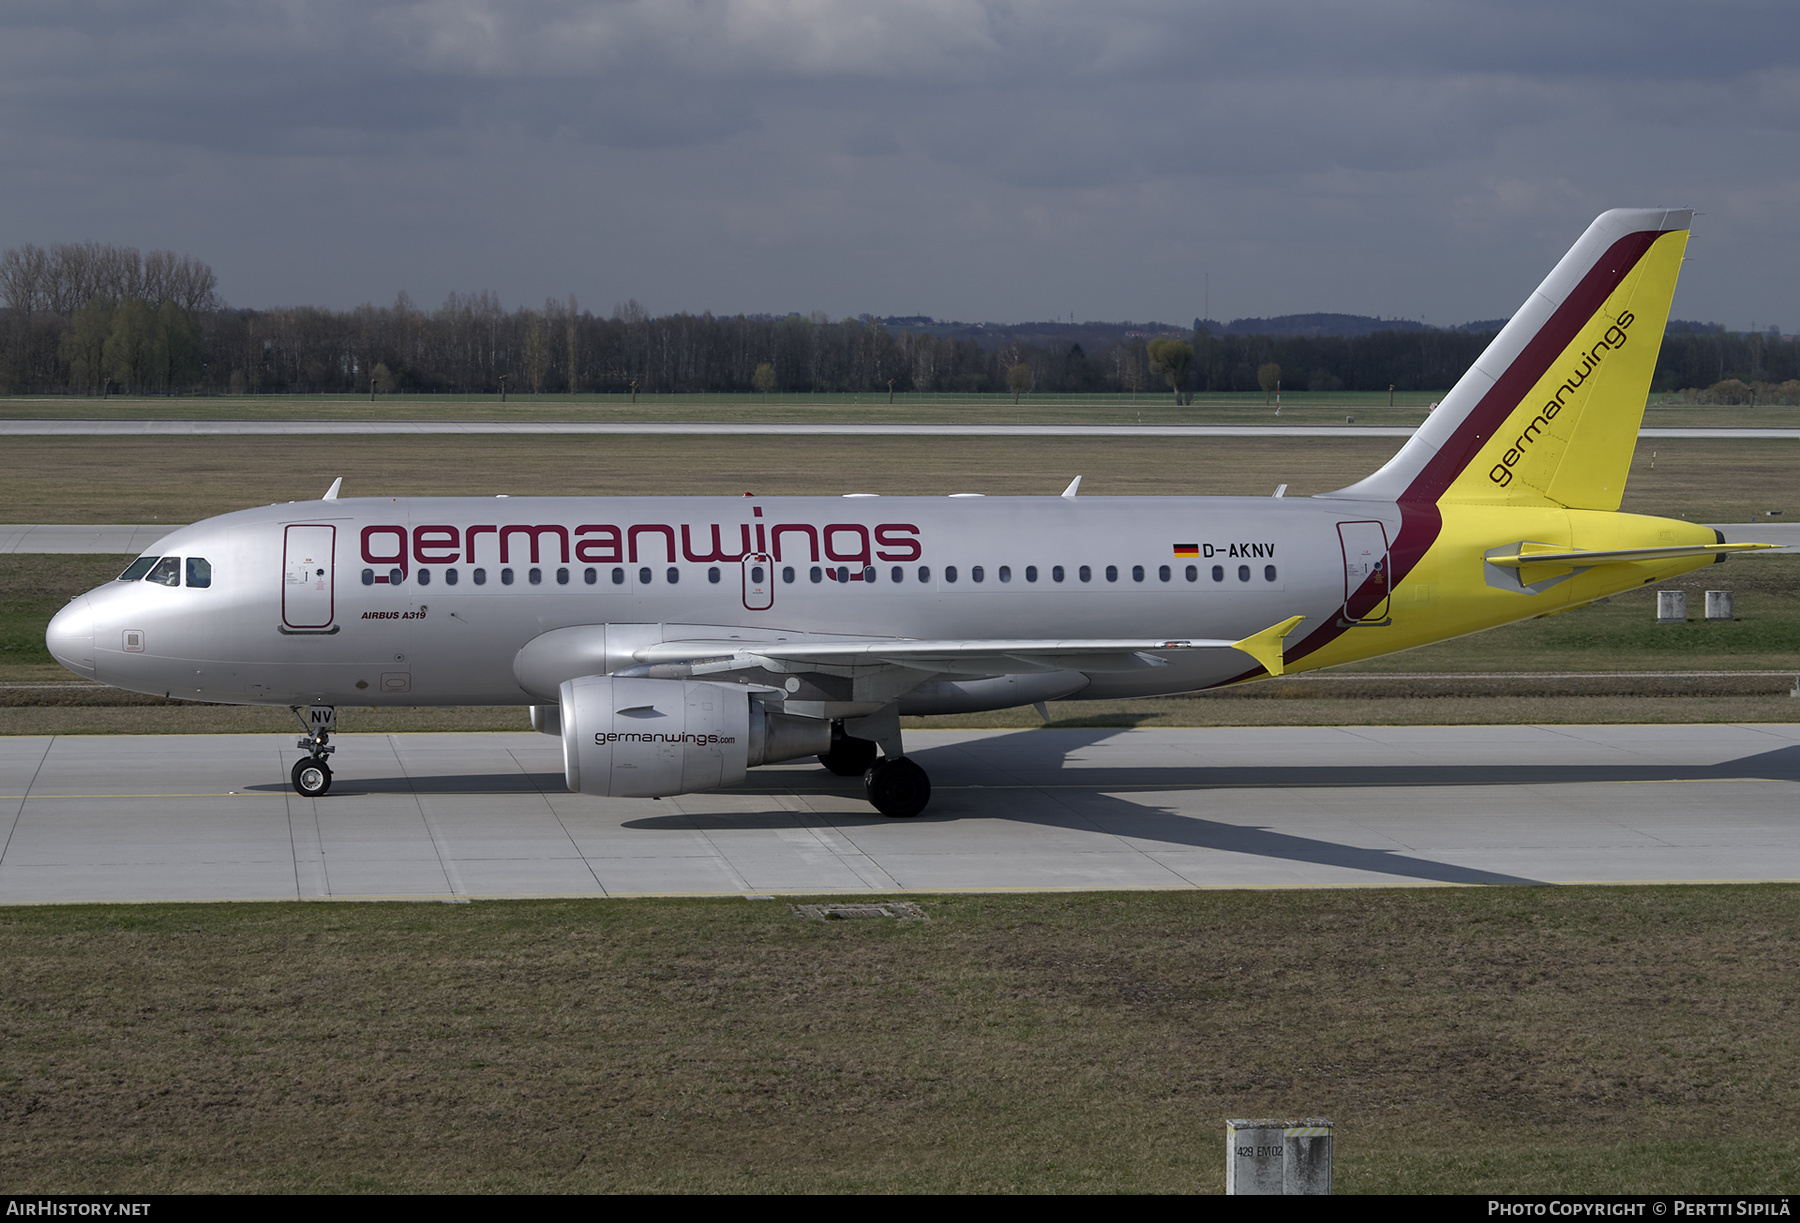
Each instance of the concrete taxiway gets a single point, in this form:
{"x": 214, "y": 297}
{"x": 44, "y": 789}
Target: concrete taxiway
{"x": 452, "y": 816}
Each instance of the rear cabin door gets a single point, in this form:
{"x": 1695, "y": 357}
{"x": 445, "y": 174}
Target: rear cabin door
{"x": 308, "y": 576}
{"x": 1366, "y": 570}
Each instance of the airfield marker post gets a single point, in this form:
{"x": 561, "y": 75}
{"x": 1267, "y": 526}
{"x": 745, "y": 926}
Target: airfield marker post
{"x": 1719, "y": 605}
{"x": 1271, "y": 1157}
{"x": 1671, "y": 607}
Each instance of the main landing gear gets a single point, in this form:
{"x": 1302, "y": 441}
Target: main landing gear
{"x": 898, "y": 788}
{"x": 311, "y": 774}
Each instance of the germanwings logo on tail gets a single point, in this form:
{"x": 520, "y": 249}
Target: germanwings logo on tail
{"x": 1615, "y": 337}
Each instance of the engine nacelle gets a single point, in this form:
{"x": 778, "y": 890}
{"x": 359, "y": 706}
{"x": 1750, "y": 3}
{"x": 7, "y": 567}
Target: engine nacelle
{"x": 648, "y": 738}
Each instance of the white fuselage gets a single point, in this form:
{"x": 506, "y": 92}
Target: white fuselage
{"x": 428, "y": 601}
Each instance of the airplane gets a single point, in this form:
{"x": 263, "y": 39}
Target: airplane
{"x": 674, "y": 642}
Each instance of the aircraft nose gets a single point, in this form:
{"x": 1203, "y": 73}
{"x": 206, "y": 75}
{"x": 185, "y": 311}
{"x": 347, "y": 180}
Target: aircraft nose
{"x": 70, "y": 637}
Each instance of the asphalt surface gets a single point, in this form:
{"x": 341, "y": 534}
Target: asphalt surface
{"x": 455, "y": 816}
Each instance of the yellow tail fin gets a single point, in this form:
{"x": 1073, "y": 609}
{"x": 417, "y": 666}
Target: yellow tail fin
{"x": 1549, "y": 414}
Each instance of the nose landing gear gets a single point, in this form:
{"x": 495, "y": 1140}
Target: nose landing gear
{"x": 311, "y": 774}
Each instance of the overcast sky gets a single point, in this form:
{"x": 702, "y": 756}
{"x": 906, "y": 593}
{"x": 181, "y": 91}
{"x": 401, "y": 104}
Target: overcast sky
{"x": 998, "y": 161}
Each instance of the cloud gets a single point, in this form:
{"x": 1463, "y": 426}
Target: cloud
{"x": 766, "y": 146}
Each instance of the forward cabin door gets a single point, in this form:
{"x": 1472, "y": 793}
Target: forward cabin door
{"x": 1366, "y": 570}
{"x": 759, "y": 581}
{"x": 308, "y": 593}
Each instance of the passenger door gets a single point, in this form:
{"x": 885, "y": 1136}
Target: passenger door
{"x": 308, "y": 590}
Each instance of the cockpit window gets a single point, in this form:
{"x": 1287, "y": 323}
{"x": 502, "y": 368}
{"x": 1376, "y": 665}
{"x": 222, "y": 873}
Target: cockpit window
{"x": 199, "y": 571}
{"x": 138, "y": 568}
{"x": 167, "y": 572}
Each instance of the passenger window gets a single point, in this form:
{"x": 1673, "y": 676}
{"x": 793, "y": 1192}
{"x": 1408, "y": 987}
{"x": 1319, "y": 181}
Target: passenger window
{"x": 618, "y": 577}
{"x": 1193, "y": 573}
{"x": 1085, "y": 574}
{"x": 868, "y": 573}
{"x": 138, "y": 568}
{"x": 976, "y": 574}
{"x": 899, "y": 574}
{"x": 535, "y": 576}
{"x": 843, "y": 573}
{"x": 1218, "y": 573}
{"x": 449, "y": 577}
{"x": 562, "y": 577}
{"x": 424, "y": 577}
{"x": 924, "y": 573}
{"x": 674, "y": 575}
{"x": 590, "y": 575}
{"x": 396, "y": 576}
{"x": 1137, "y": 573}
{"x": 481, "y": 577}
{"x": 1162, "y": 574}
{"x": 1056, "y": 573}
{"x": 816, "y": 574}
{"x": 644, "y": 577}
{"x": 506, "y": 577}
{"x": 712, "y": 575}
{"x": 1005, "y": 572}
{"x": 368, "y": 578}
{"x": 1268, "y": 573}
{"x": 1031, "y": 573}
{"x": 1243, "y": 573}
{"x": 199, "y": 571}
{"x": 950, "y": 574}
{"x": 787, "y": 573}
{"x": 1112, "y": 573}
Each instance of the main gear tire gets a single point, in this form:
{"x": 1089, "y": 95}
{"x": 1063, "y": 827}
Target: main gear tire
{"x": 899, "y": 789}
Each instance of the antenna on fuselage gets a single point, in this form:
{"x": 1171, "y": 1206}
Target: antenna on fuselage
{"x": 1073, "y": 485}
{"x": 331, "y": 493}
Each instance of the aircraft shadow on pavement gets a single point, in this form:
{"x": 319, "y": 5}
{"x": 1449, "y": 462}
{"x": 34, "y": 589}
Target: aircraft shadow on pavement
{"x": 986, "y": 779}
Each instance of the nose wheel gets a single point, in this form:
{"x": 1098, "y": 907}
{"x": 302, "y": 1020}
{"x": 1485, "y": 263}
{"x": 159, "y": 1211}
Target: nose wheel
{"x": 312, "y": 778}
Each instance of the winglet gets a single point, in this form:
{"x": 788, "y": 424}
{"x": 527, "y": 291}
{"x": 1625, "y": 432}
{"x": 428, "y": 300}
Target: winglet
{"x": 1266, "y": 647}
{"x": 1074, "y": 484}
{"x": 331, "y": 493}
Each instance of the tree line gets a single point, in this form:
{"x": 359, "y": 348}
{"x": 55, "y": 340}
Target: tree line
{"x": 89, "y": 317}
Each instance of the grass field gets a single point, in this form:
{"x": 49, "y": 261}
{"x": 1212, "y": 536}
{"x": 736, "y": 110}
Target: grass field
{"x": 1616, "y": 1040}
{"x": 181, "y": 479}
{"x": 1220, "y": 408}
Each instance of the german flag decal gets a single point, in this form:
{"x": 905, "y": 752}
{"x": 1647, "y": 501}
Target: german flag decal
{"x": 1187, "y": 549}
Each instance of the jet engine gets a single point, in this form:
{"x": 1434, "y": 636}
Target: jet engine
{"x": 628, "y": 737}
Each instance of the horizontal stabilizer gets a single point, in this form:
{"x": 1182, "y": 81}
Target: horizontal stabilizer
{"x": 1543, "y": 555}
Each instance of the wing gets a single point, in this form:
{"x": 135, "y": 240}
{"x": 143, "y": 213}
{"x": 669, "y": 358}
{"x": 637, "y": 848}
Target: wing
{"x": 853, "y": 655}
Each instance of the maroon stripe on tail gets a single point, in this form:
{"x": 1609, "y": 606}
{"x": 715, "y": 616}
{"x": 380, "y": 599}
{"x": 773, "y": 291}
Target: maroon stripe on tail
{"x": 1558, "y": 331}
